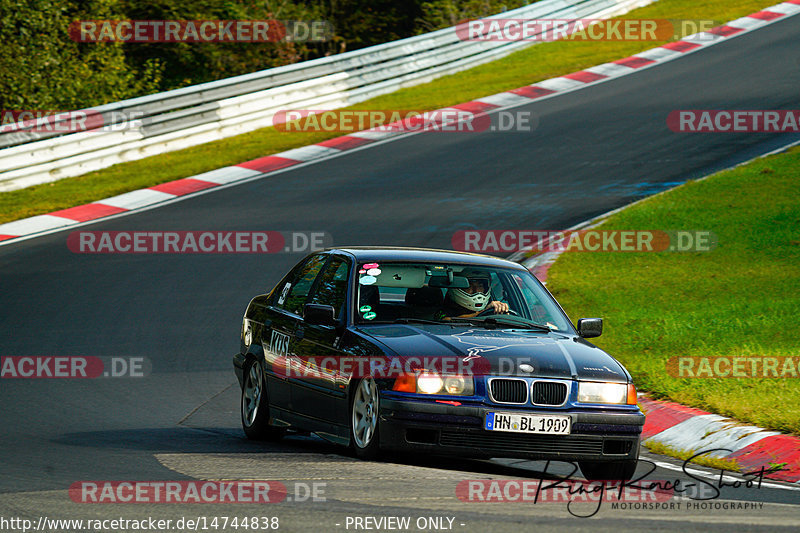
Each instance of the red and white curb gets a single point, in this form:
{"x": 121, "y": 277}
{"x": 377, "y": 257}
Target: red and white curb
{"x": 257, "y": 168}
{"x": 688, "y": 429}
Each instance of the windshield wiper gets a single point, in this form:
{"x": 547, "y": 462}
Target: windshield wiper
{"x": 520, "y": 323}
{"x": 406, "y": 320}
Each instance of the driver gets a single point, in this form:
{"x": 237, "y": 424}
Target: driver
{"x": 472, "y": 301}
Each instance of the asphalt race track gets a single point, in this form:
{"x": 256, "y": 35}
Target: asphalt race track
{"x": 594, "y": 150}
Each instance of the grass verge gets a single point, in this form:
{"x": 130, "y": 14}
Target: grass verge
{"x": 711, "y": 462}
{"x": 739, "y": 299}
{"x": 524, "y": 67}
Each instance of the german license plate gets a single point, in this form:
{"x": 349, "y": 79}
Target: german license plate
{"x": 521, "y": 423}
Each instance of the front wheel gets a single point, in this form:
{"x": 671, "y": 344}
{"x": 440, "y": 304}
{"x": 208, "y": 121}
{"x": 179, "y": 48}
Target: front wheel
{"x": 364, "y": 419}
{"x": 608, "y": 470}
{"x": 255, "y": 407}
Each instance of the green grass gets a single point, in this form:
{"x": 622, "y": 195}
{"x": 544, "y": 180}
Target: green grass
{"x": 711, "y": 462}
{"x": 740, "y": 299}
{"x": 524, "y": 67}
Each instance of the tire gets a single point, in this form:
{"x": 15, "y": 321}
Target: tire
{"x": 255, "y": 405}
{"x": 364, "y": 406}
{"x": 608, "y": 470}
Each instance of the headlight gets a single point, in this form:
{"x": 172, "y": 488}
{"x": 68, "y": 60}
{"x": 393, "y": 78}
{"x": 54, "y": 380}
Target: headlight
{"x": 593, "y": 392}
{"x": 432, "y": 383}
{"x": 429, "y": 383}
{"x": 455, "y": 384}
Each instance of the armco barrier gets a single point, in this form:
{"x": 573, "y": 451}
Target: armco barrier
{"x": 186, "y": 117}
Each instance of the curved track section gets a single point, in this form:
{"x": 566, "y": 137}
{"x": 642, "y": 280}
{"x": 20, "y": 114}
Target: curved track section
{"x": 594, "y": 150}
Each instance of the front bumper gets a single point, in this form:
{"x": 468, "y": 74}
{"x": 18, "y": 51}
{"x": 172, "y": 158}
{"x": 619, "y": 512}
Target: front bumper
{"x": 238, "y": 367}
{"x": 605, "y": 435}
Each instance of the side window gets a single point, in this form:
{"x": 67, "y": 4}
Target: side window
{"x": 293, "y": 294}
{"x": 332, "y": 286}
{"x": 536, "y": 307}
{"x": 497, "y": 292}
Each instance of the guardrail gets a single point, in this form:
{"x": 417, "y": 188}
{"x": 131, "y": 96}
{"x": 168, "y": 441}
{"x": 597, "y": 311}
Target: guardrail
{"x": 186, "y": 117}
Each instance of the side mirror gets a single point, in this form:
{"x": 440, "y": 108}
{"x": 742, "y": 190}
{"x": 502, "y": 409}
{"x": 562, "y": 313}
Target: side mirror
{"x": 320, "y": 315}
{"x": 590, "y": 327}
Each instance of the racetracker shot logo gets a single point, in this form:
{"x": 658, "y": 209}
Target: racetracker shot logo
{"x": 734, "y": 367}
{"x": 197, "y": 242}
{"x": 214, "y": 492}
{"x": 54, "y": 121}
{"x": 734, "y": 121}
{"x": 402, "y": 121}
{"x": 545, "y": 30}
{"x": 74, "y": 367}
{"x": 388, "y": 367}
{"x": 200, "y": 31}
{"x": 562, "y": 491}
{"x": 177, "y": 492}
{"x": 508, "y": 241}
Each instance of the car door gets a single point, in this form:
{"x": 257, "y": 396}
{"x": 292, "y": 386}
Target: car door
{"x": 279, "y": 337}
{"x": 320, "y": 390}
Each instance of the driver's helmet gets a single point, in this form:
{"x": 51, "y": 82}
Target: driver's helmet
{"x": 477, "y": 296}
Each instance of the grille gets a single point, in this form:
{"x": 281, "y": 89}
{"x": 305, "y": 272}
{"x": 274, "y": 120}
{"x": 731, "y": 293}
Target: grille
{"x": 548, "y": 393}
{"x": 509, "y": 390}
{"x": 509, "y": 442}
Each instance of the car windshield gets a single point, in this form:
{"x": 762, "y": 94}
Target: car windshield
{"x": 450, "y": 293}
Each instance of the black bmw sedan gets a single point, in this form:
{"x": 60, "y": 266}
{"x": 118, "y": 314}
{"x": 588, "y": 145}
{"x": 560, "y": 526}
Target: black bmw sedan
{"x": 435, "y": 351}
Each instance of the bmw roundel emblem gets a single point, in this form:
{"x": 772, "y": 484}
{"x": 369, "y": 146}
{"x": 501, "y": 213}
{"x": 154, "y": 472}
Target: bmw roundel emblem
{"x": 525, "y": 367}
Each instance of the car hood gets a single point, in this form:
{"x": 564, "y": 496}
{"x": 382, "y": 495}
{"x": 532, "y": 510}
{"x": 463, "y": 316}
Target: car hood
{"x": 502, "y": 351}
